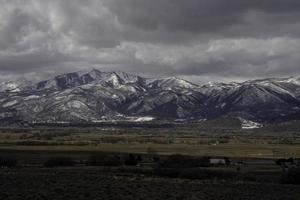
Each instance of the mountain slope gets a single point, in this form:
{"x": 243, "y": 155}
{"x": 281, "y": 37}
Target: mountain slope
{"x": 95, "y": 95}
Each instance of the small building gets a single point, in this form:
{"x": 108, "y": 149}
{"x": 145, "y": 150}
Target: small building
{"x": 219, "y": 161}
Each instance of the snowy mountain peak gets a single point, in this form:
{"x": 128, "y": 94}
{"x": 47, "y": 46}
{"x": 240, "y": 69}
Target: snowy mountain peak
{"x": 15, "y": 86}
{"x": 8, "y": 86}
{"x": 93, "y": 95}
{"x": 293, "y": 80}
{"x": 115, "y": 76}
{"x": 126, "y": 77}
{"x": 172, "y": 82}
{"x": 69, "y": 80}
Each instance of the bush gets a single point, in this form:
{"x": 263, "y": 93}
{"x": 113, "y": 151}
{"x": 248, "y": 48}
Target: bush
{"x": 131, "y": 160}
{"x": 292, "y": 176}
{"x": 197, "y": 173}
{"x": 104, "y": 160}
{"x": 194, "y": 173}
{"x": 166, "y": 172}
{"x": 181, "y": 161}
{"x": 59, "y": 162}
{"x": 283, "y": 162}
{"x": 9, "y": 162}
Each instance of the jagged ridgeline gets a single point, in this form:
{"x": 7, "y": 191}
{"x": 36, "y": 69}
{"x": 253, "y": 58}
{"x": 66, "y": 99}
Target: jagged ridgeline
{"x": 97, "y": 96}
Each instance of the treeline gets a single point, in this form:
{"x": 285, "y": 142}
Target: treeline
{"x": 173, "y": 166}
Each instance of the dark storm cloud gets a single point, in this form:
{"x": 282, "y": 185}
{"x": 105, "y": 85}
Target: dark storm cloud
{"x": 205, "y": 38}
{"x": 214, "y": 17}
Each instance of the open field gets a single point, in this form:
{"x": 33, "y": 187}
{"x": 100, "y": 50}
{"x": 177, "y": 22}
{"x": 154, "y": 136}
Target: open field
{"x": 190, "y": 140}
{"x": 93, "y": 184}
{"x": 251, "y": 174}
{"x": 229, "y": 150}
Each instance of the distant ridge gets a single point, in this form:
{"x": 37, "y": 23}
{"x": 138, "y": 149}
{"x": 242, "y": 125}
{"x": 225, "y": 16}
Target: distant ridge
{"x": 95, "y": 96}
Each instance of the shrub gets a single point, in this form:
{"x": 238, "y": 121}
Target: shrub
{"x": 181, "y": 161}
{"x": 282, "y": 161}
{"x": 59, "y": 162}
{"x": 103, "y": 160}
{"x": 131, "y": 160}
{"x": 151, "y": 151}
{"x": 139, "y": 158}
{"x": 9, "y": 162}
{"x": 196, "y": 173}
{"x": 292, "y": 176}
{"x": 166, "y": 172}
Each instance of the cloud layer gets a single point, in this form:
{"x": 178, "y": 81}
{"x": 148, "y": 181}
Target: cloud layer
{"x": 201, "y": 39}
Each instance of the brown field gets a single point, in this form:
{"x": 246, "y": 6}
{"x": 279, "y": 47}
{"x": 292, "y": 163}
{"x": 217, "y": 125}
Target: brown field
{"x": 257, "y": 178}
{"x": 229, "y": 150}
{"x": 83, "y": 184}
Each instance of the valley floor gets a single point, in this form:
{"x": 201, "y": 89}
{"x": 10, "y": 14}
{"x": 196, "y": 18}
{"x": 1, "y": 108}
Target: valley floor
{"x": 159, "y": 172}
{"x": 230, "y": 150}
{"x": 84, "y": 183}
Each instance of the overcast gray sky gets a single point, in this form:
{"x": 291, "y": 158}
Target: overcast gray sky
{"x": 200, "y": 40}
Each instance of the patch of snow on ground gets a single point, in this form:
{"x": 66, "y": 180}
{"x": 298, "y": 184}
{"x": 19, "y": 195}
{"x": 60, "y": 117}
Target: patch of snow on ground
{"x": 98, "y": 121}
{"x": 247, "y": 124}
{"x": 31, "y": 97}
{"x": 114, "y": 96}
{"x": 16, "y": 90}
{"x": 58, "y": 98}
{"x": 62, "y": 122}
{"x": 11, "y": 103}
{"x": 144, "y": 119}
{"x": 223, "y": 105}
{"x": 76, "y": 104}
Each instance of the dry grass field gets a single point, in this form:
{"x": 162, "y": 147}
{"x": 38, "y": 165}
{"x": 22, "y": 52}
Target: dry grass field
{"x": 258, "y": 177}
{"x": 80, "y": 184}
{"x": 229, "y": 150}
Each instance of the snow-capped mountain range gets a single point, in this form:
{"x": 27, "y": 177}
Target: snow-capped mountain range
{"x": 97, "y": 96}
